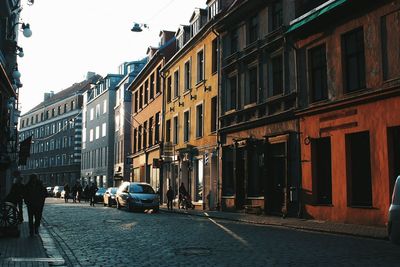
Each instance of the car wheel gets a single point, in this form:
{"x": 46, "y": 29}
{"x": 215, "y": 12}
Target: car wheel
{"x": 118, "y": 205}
{"x": 156, "y": 209}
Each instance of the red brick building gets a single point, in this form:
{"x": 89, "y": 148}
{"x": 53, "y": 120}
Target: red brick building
{"x": 348, "y": 66}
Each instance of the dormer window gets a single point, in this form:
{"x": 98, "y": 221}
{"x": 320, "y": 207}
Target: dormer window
{"x": 213, "y": 9}
{"x": 195, "y": 27}
{"x": 179, "y": 41}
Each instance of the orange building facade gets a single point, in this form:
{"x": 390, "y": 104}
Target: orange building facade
{"x": 350, "y": 111}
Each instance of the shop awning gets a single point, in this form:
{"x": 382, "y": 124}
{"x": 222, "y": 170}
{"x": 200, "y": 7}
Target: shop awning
{"x": 313, "y": 14}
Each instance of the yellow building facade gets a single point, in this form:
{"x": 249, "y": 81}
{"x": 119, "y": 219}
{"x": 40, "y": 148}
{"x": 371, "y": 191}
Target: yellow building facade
{"x": 191, "y": 115}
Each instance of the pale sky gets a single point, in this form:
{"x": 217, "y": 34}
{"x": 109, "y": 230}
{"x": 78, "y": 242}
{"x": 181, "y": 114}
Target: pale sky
{"x": 72, "y": 37}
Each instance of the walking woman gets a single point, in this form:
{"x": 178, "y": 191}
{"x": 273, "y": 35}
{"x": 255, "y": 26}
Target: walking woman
{"x": 35, "y": 194}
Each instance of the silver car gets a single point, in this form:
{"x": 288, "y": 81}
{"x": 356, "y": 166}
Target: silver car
{"x": 137, "y": 196}
{"x": 394, "y": 214}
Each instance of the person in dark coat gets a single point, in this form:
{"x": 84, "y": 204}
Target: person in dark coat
{"x": 74, "y": 192}
{"x": 92, "y": 192}
{"x": 182, "y": 194}
{"x": 35, "y": 195}
{"x": 79, "y": 192}
{"x": 86, "y": 192}
{"x": 170, "y": 198}
{"x": 67, "y": 190}
{"x": 16, "y": 194}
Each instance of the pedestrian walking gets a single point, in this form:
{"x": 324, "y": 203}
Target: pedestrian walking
{"x": 170, "y": 198}
{"x": 182, "y": 194}
{"x": 16, "y": 194}
{"x": 92, "y": 192}
{"x": 67, "y": 191}
{"x": 86, "y": 192}
{"x": 79, "y": 192}
{"x": 34, "y": 194}
{"x": 74, "y": 192}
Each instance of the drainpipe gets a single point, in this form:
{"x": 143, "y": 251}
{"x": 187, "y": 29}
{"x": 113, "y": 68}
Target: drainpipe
{"x": 299, "y": 186}
{"x": 219, "y": 147}
{"x": 161, "y": 121}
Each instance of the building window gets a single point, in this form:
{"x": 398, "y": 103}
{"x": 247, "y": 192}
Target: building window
{"x": 353, "y": 60}
{"x": 141, "y": 97}
{"x": 91, "y": 114}
{"x": 277, "y": 75}
{"x": 214, "y": 47}
{"x": 186, "y": 126}
{"x": 231, "y": 91}
{"x": 140, "y": 136}
{"x": 251, "y": 92}
{"x": 253, "y": 29}
{"x": 151, "y": 125}
{"x": 199, "y": 120}
{"x": 317, "y": 72}
{"x": 104, "y": 129}
{"x": 168, "y": 131}
{"x": 187, "y": 75}
{"x": 234, "y": 41}
{"x": 97, "y": 132}
{"x": 358, "y": 163}
{"x": 176, "y": 130}
{"x": 176, "y": 83}
{"x": 157, "y": 130}
{"x": 97, "y": 110}
{"x": 152, "y": 86}
{"x": 105, "y": 106}
{"x": 90, "y": 135}
{"x": 200, "y": 66}
{"x": 169, "y": 89}
{"x": 135, "y": 138}
{"x": 117, "y": 123}
{"x": 390, "y": 40}
{"x": 158, "y": 80}
{"x": 145, "y": 134}
{"x": 276, "y": 15}
{"x": 322, "y": 170}
{"x": 136, "y": 102}
{"x": 213, "y": 9}
{"x": 195, "y": 27}
{"x": 214, "y": 105}
{"x": 146, "y": 92}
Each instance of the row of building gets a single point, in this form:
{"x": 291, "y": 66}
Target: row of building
{"x": 291, "y": 106}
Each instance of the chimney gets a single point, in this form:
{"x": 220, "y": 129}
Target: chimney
{"x": 49, "y": 95}
{"x": 90, "y": 74}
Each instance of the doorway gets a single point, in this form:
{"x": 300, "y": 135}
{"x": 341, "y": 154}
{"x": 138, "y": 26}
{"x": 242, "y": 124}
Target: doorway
{"x": 276, "y": 179}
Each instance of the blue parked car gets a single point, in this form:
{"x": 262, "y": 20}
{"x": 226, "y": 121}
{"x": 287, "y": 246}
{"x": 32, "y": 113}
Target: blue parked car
{"x": 137, "y": 196}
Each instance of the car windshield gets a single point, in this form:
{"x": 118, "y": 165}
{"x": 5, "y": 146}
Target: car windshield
{"x": 101, "y": 190}
{"x": 141, "y": 188}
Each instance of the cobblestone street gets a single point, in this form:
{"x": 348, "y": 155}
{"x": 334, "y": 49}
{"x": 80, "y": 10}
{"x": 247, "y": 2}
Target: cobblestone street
{"x": 101, "y": 236}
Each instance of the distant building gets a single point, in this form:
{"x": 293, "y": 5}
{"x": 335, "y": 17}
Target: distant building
{"x": 98, "y": 131}
{"x": 55, "y": 126}
{"x": 123, "y": 117}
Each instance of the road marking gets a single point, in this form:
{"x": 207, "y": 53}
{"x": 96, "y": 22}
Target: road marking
{"x": 14, "y": 259}
{"x": 241, "y": 240}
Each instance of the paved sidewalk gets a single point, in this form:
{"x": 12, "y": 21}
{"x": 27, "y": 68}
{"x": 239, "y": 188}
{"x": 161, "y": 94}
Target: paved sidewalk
{"x": 28, "y": 250}
{"x": 295, "y": 223}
